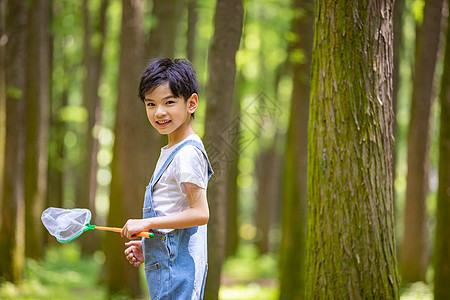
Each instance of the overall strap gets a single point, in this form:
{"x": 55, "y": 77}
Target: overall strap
{"x": 172, "y": 156}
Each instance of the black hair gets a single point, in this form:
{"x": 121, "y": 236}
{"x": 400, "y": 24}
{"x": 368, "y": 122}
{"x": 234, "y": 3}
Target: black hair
{"x": 179, "y": 73}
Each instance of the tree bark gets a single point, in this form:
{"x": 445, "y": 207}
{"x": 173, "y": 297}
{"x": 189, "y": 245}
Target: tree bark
{"x": 2, "y": 98}
{"x": 398, "y": 50}
{"x": 12, "y": 239}
{"x": 192, "y": 29}
{"x": 350, "y": 243}
{"x": 398, "y": 46}
{"x": 442, "y": 238}
{"x": 415, "y": 253}
{"x": 57, "y": 126}
{"x": 232, "y": 204}
{"x": 163, "y": 33}
{"x": 135, "y": 153}
{"x": 219, "y": 93}
{"x": 56, "y": 156}
{"x": 37, "y": 112}
{"x": 293, "y": 243}
{"x": 93, "y": 57}
{"x": 268, "y": 168}
{"x": 56, "y": 147}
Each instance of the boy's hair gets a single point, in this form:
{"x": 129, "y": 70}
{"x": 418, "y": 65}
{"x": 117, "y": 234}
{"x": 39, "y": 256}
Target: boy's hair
{"x": 179, "y": 73}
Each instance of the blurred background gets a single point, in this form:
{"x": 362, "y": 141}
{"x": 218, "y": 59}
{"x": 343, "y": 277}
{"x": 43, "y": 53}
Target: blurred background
{"x": 73, "y": 133}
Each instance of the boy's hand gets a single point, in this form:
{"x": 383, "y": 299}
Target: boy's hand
{"x": 134, "y": 253}
{"x": 133, "y": 226}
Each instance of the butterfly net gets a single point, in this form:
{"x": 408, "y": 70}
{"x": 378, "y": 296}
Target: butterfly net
{"x": 66, "y": 224}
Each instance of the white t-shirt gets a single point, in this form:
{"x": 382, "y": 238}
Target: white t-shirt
{"x": 188, "y": 165}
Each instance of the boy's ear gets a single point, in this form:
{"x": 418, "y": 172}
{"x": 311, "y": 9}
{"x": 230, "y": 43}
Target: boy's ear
{"x": 192, "y": 103}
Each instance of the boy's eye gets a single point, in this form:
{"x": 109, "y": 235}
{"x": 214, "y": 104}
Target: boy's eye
{"x": 150, "y": 104}
{"x": 170, "y": 102}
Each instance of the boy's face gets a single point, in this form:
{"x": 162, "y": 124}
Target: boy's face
{"x": 167, "y": 113}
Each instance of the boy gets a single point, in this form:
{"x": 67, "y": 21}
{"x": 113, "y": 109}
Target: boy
{"x": 175, "y": 206}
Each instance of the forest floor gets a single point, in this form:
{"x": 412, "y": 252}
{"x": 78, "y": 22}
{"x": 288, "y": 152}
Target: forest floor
{"x": 64, "y": 274}
{"x": 249, "y": 276}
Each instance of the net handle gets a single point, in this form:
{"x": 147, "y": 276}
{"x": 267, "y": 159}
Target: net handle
{"x": 116, "y": 229}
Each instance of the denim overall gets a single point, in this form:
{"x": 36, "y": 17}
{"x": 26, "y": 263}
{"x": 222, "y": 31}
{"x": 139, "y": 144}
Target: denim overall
{"x": 176, "y": 262}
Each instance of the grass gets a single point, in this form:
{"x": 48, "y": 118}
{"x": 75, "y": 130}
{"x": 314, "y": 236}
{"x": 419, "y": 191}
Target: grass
{"x": 62, "y": 274}
{"x": 250, "y": 276}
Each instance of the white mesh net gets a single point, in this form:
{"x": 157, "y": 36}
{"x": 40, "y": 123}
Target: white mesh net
{"x": 65, "y": 224}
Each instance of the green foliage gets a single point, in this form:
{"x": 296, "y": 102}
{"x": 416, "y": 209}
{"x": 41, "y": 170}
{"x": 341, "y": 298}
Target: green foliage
{"x": 416, "y": 291}
{"x": 76, "y": 114}
{"x": 249, "y": 276}
{"x": 247, "y": 266}
{"x": 13, "y": 92}
{"x": 251, "y": 291}
{"x": 62, "y": 274}
{"x": 418, "y": 6}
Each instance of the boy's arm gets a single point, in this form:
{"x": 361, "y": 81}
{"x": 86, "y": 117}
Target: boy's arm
{"x": 197, "y": 214}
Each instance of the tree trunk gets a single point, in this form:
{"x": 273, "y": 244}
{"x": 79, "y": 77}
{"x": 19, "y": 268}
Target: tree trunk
{"x": 232, "y": 225}
{"x": 164, "y": 32}
{"x": 191, "y": 29}
{"x": 59, "y": 100}
{"x": 398, "y": 46}
{"x": 415, "y": 253}
{"x": 135, "y": 153}
{"x": 292, "y": 247}
{"x": 12, "y": 239}
{"x": 93, "y": 56}
{"x": 2, "y": 99}
{"x": 37, "y": 112}
{"x": 56, "y": 151}
{"x": 268, "y": 172}
{"x": 292, "y": 251}
{"x": 219, "y": 93}
{"x": 350, "y": 243}
{"x": 398, "y": 50}
{"x": 442, "y": 238}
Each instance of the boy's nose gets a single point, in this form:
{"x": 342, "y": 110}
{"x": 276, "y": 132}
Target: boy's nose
{"x": 160, "y": 111}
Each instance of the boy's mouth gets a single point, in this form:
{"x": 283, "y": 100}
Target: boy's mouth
{"x": 162, "y": 122}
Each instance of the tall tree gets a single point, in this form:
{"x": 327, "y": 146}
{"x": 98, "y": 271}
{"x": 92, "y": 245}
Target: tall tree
{"x": 135, "y": 152}
{"x": 126, "y": 186}
{"x": 268, "y": 167}
{"x": 2, "y": 97}
{"x": 350, "y": 242}
{"x": 232, "y": 204}
{"x": 37, "y": 112}
{"x": 219, "y": 94}
{"x": 163, "y": 33}
{"x": 398, "y": 49}
{"x": 191, "y": 29}
{"x": 442, "y": 238}
{"x": 293, "y": 243}
{"x": 12, "y": 239}
{"x": 59, "y": 90}
{"x": 93, "y": 57}
{"x": 414, "y": 256}
{"x": 398, "y": 46}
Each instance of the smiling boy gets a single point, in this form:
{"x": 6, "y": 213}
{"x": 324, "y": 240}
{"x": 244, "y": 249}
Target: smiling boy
{"x": 175, "y": 206}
